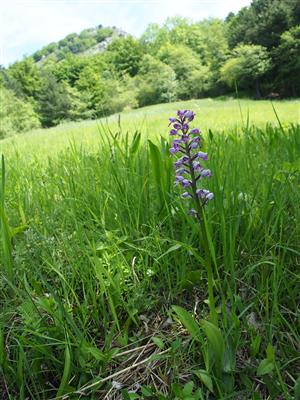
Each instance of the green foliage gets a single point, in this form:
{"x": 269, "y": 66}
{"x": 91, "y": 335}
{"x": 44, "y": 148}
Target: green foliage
{"x": 54, "y": 101}
{"x": 263, "y": 22}
{"x": 77, "y": 107}
{"x": 92, "y": 87}
{"x": 156, "y": 82}
{"x": 189, "y": 322}
{"x": 74, "y": 44}
{"x": 98, "y": 266}
{"x": 102, "y": 92}
{"x": 154, "y": 38}
{"x": 24, "y": 78}
{"x": 126, "y": 55}
{"x": 193, "y": 77}
{"x": 16, "y": 115}
{"x": 248, "y": 64}
{"x": 122, "y": 94}
{"x": 214, "y": 48}
{"x": 69, "y": 69}
{"x": 103, "y": 34}
{"x": 206, "y": 38}
{"x": 288, "y": 59}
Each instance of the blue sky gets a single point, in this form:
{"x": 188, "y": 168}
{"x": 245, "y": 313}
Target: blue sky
{"x": 27, "y": 25}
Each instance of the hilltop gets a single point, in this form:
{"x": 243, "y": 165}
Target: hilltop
{"x": 88, "y": 42}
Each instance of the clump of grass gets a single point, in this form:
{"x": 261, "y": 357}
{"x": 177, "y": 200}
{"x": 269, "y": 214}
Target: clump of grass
{"x": 107, "y": 250}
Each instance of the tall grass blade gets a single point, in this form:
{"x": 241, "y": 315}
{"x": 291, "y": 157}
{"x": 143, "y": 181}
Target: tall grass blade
{"x": 5, "y": 229}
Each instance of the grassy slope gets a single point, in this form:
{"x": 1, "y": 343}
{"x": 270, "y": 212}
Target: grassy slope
{"x": 106, "y": 247}
{"x": 215, "y": 114}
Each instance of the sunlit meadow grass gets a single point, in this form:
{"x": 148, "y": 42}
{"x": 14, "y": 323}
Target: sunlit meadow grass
{"x": 221, "y": 115}
{"x": 103, "y": 249}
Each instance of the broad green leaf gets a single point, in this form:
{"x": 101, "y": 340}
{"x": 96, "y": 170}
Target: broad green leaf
{"x": 215, "y": 338}
{"x": 265, "y": 367}
{"x": 129, "y": 396}
{"x": 188, "y": 388}
{"x": 156, "y": 160}
{"x": 188, "y": 321}
{"x": 270, "y": 353}
{"x": 94, "y": 352}
{"x": 159, "y": 343}
{"x": 205, "y": 379}
{"x": 229, "y": 357}
{"x": 191, "y": 279}
{"x": 297, "y": 389}
{"x": 146, "y": 391}
{"x": 176, "y": 344}
{"x": 176, "y": 390}
{"x": 20, "y": 370}
{"x": 66, "y": 373}
{"x": 157, "y": 167}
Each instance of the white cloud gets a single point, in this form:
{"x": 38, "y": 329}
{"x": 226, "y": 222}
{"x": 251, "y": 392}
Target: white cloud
{"x": 26, "y": 26}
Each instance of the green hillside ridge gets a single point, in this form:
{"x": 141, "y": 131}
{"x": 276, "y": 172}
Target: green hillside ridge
{"x": 89, "y": 41}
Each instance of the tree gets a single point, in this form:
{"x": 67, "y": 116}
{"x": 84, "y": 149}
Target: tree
{"x": 187, "y": 66}
{"x": 247, "y": 65}
{"x": 156, "y": 82}
{"x": 54, "y": 103}
{"x": 206, "y": 41}
{"x": 126, "y": 55}
{"x": 271, "y": 19}
{"x": 93, "y": 89}
{"x": 16, "y": 115}
{"x": 24, "y": 78}
{"x": 211, "y": 45}
{"x": 121, "y": 93}
{"x": 288, "y": 58}
{"x": 173, "y": 31}
{"x": 68, "y": 69}
{"x": 154, "y": 38}
{"x": 263, "y": 22}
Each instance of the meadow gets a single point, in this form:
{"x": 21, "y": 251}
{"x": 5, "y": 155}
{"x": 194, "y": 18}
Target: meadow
{"x": 219, "y": 115}
{"x": 103, "y": 282}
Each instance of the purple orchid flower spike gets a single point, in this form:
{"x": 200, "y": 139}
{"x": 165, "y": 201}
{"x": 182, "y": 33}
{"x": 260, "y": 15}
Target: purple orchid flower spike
{"x": 188, "y": 143}
{"x": 190, "y": 172}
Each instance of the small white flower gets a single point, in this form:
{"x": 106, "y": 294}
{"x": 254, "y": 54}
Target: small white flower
{"x": 117, "y": 385}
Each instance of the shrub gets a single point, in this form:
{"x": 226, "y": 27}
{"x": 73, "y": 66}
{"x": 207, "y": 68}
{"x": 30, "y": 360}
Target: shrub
{"x": 16, "y": 115}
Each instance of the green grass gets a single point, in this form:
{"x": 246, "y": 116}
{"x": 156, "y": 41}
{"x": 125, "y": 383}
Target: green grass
{"x": 220, "y": 115}
{"x": 108, "y": 282}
